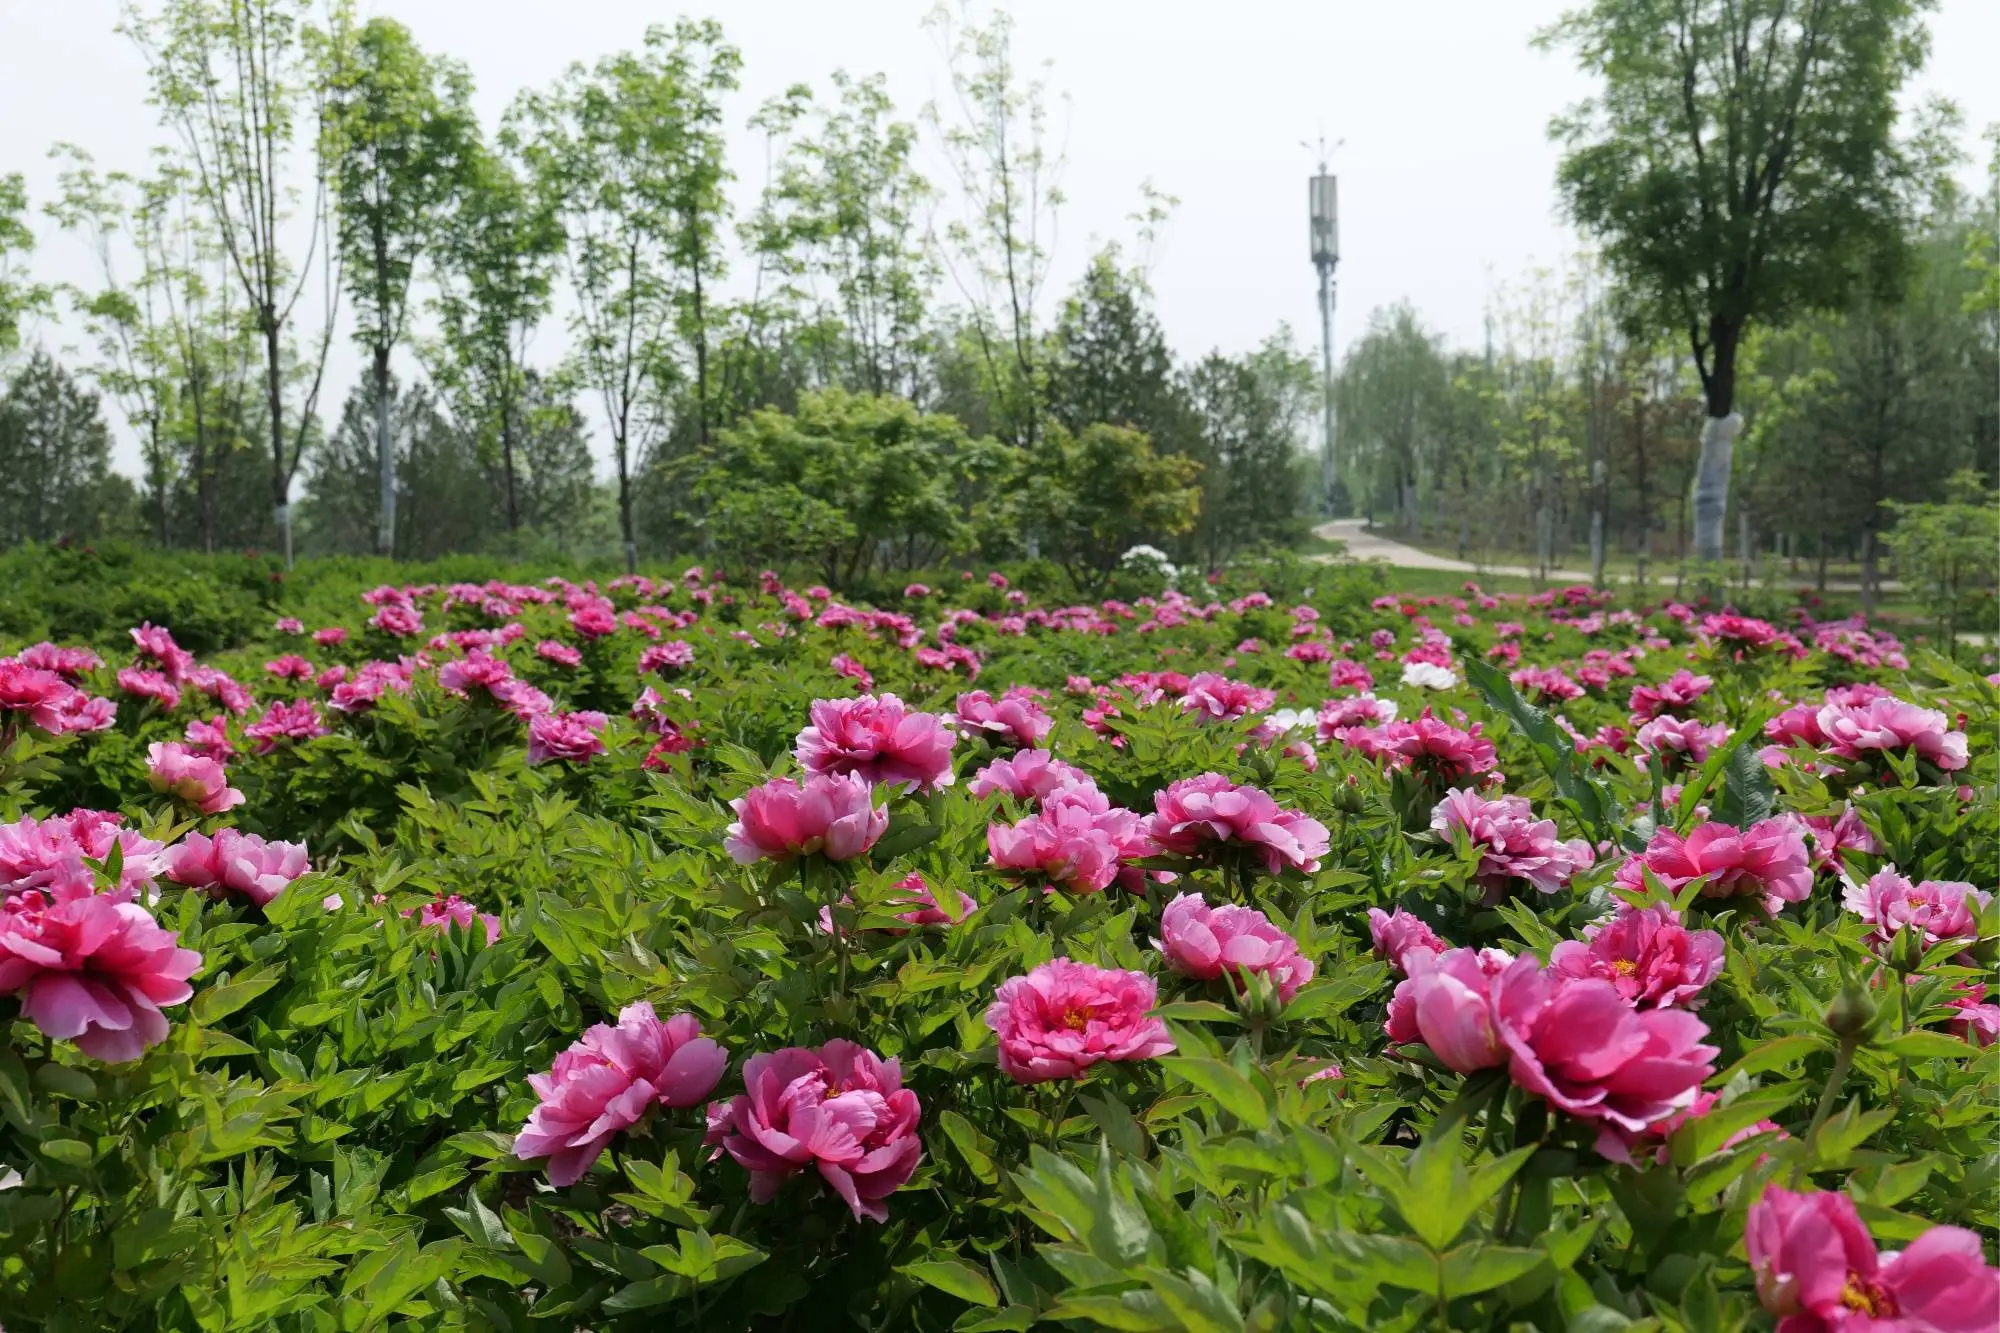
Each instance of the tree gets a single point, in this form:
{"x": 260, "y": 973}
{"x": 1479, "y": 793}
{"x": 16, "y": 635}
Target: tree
{"x": 849, "y": 484}
{"x": 1009, "y": 182}
{"x": 1108, "y": 360}
{"x": 1738, "y": 166}
{"x": 1252, "y": 410}
{"x": 1105, "y": 490}
{"x": 18, "y": 297}
{"x": 401, "y": 133}
{"x": 839, "y": 224}
{"x": 231, "y": 77}
{"x": 1389, "y": 392}
{"x": 495, "y": 271}
{"x": 632, "y": 152}
{"x": 55, "y": 460}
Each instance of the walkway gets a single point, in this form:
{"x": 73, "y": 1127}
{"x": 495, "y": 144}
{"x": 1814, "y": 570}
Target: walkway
{"x": 1365, "y": 545}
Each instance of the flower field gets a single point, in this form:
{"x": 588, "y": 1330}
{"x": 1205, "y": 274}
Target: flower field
{"x": 710, "y": 953}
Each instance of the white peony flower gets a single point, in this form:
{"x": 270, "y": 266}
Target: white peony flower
{"x": 1429, "y": 676}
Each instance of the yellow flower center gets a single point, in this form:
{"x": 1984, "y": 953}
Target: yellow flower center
{"x": 1076, "y": 1020}
{"x": 1865, "y": 1297}
{"x": 1624, "y": 967}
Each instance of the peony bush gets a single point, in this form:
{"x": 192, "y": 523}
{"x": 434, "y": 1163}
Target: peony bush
{"x": 712, "y": 953}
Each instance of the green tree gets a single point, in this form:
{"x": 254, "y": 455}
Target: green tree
{"x": 1252, "y": 411}
{"x": 400, "y": 134}
{"x": 1739, "y": 165}
{"x": 631, "y": 151}
{"x": 495, "y": 264}
{"x": 18, "y": 296}
{"x": 840, "y": 224}
{"x": 232, "y": 78}
{"x": 1104, "y": 490}
{"x": 1950, "y": 553}
{"x": 1108, "y": 360}
{"x": 55, "y": 461}
{"x": 997, "y": 253}
{"x": 1390, "y": 394}
{"x": 849, "y": 484}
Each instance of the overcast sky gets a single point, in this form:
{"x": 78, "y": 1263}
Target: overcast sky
{"x": 1445, "y": 173}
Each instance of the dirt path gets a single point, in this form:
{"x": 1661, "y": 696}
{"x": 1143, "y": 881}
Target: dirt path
{"x": 1365, "y": 545}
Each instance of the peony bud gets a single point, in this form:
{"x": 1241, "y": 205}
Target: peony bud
{"x": 1851, "y": 1013}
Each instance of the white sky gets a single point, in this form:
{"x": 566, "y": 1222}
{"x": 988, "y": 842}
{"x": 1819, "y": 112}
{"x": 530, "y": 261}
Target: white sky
{"x": 1445, "y": 176}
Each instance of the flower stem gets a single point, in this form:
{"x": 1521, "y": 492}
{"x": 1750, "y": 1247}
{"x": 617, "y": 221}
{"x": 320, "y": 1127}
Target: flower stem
{"x": 1843, "y": 1059}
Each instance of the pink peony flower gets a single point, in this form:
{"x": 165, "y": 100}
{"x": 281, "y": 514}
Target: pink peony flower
{"x": 609, "y": 1079}
{"x": 295, "y": 721}
{"x": 1437, "y": 749}
{"x": 675, "y": 655}
{"x": 1740, "y": 632}
{"x": 558, "y": 652}
{"x": 843, "y": 665}
{"x": 1817, "y": 1268}
{"x": 1196, "y": 815}
{"x": 289, "y": 667}
{"x": 194, "y": 779}
{"x": 1832, "y": 835}
{"x": 1574, "y": 1043}
{"x": 919, "y": 904}
{"x": 235, "y": 862}
{"x": 1938, "y": 909}
{"x": 1580, "y": 1047}
{"x": 1676, "y": 695}
{"x": 877, "y": 739}
{"x": 1028, "y": 775}
{"x": 1888, "y": 725}
{"x": 1394, "y": 935}
{"x": 832, "y": 814}
{"x": 94, "y": 970}
{"x": 210, "y": 739}
{"x": 44, "y": 697}
{"x": 1202, "y": 942}
{"x": 572, "y": 737}
{"x": 1652, "y": 960}
{"x": 1016, "y": 718}
{"x": 330, "y": 637}
{"x": 1078, "y": 840}
{"x": 841, "y": 1109}
{"x": 46, "y": 856}
{"x": 1362, "y": 710}
{"x": 1064, "y": 1017}
{"x": 1219, "y": 699}
{"x": 1978, "y": 1021}
{"x": 156, "y": 643}
{"x": 1513, "y": 844}
{"x": 1545, "y": 685}
{"x": 69, "y": 663}
{"x": 477, "y": 670}
{"x": 1681, "y": 742}
{"x": 452, "y": 910}
{"x": 152, "y": 685}
{"x": 1631, "y": 1148}
{"x": 1768, "y": 858}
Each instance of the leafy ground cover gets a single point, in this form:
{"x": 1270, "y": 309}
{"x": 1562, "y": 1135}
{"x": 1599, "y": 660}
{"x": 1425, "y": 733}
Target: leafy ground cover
{"x": 712, "y": 953}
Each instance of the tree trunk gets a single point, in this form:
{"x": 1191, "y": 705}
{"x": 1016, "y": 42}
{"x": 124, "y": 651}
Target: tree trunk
{"x": 1819, "y": 573}
{"x": 700, "y": 354}
{"x": 1870, "y": 573}
{"x": 385, "y": 456}
{"x": 274, "y": 406}
{"x": 158, "y": 454}
{"x": 625, "y": 511}
{"x": 512, "y": 496}
{"x": 1711, "y": 484}
{"x": 1743, "y": 552}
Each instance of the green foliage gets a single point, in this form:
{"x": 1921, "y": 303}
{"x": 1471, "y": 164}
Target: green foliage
{"x": 1950, "y": 552}
{"x": 325, "y": 1138}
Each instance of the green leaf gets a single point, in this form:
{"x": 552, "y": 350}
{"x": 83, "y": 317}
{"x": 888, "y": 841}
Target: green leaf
{"x": 1747, "y": 794}
{"x": 952, "y": 1275}
{"x": 1196, "y": 1011}
{"x": 1471, "y": 1269}
{"x": 1233, "y": 1092}
{"x": 974, "y": 1147}
{"x": 1771, "y": 1055}
{"x": 215, "y": 1002}
{"x": 1922, "y": 1045}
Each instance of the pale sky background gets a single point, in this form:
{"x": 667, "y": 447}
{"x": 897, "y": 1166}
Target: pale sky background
{"x": 1446, "y": 173}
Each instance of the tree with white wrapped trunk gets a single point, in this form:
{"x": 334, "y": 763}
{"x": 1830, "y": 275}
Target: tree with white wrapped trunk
{"x": 1740, "y": 164}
